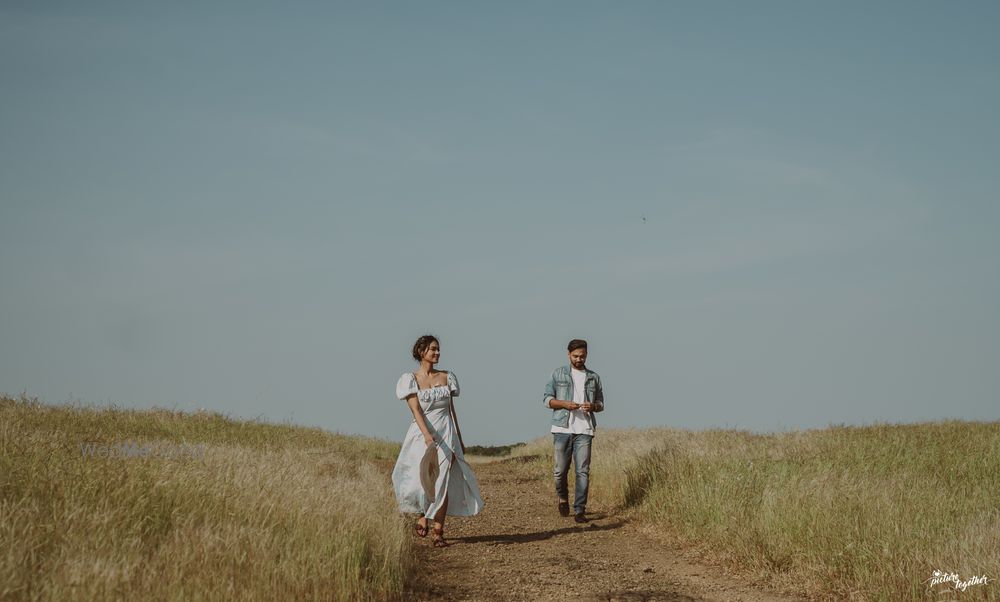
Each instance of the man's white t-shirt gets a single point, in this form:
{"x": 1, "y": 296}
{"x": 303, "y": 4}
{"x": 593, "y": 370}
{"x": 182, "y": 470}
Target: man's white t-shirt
{"x": 579, "y": 422}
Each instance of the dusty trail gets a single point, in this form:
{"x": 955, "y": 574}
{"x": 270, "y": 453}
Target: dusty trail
{"x": 519, "y": 548}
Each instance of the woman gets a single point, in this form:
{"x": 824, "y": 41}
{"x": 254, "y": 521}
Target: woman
{"x": 429, "y": 392}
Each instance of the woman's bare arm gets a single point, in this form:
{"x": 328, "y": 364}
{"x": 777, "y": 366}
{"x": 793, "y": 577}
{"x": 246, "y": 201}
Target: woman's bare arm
{"x": 419, "y": 418}
{"x": 457, "y": 430}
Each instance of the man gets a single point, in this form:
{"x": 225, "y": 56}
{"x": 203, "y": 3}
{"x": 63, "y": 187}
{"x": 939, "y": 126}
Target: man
{"x": 574, "y": 393}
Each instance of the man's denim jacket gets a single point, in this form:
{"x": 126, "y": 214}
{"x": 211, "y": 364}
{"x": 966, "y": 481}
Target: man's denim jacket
{"x": 560, "y": 386}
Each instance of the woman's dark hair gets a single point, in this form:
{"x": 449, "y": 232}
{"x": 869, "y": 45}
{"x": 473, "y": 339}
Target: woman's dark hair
{"x": 576, "y": 344}
{"x": 422, "y": 344}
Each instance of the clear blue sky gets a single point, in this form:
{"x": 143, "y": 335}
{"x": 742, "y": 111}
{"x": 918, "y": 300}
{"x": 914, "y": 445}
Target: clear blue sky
{"x": 256, "y": 208}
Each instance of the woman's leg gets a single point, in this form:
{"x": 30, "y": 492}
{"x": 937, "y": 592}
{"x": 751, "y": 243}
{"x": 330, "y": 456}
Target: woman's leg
{"x": 438, "y": 532}
{"x": 441, "y": 513}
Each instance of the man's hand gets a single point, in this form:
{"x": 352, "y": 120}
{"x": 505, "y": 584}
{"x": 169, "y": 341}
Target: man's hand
{"x": 586, "y": 407}
{"x": 563, "y": 404}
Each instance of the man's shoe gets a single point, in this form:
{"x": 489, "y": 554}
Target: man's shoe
{"x": 563, "y": 508}
{"x": 580, "y": 518}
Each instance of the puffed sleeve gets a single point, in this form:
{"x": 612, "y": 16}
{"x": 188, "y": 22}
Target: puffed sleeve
{"x": 453, "y": 384}
{"x": 406, "y": 386}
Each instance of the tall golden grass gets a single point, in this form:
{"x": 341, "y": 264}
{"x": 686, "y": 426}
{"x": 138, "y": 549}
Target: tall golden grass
{"x": 846, "y": 513}
{"x": 261, "y": 512}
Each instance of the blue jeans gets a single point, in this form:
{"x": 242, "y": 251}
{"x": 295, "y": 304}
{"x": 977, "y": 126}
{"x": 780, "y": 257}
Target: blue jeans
{"x": 577, "y": 446}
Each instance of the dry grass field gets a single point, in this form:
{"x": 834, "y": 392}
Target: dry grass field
{"x": 194, "y": 506}
{"x": 860, "y": 513}
{"x": 124, "y": 504}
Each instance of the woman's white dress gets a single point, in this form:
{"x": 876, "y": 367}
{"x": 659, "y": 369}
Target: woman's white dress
{"x": 455, "y": 478}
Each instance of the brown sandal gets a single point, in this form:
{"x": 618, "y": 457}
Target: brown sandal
{"x": 439, "y": 541}
{"x": 421, "y": 530}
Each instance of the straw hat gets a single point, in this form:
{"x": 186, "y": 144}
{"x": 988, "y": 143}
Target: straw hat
{"x": 429, "y": 471}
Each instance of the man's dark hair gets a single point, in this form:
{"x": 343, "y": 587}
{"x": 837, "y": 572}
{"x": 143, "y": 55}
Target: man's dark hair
{"x": 576, "y": 344}
{"x": 422, "y": 344}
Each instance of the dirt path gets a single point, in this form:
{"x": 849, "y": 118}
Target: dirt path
{"x": 519, "y": 548}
